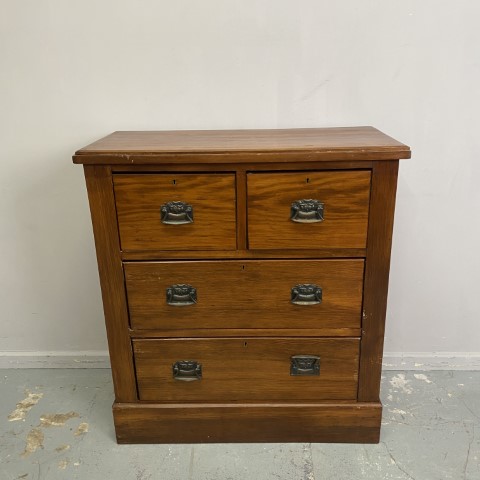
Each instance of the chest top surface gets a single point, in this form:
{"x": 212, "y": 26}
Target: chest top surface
{"x": 242, "y": 146}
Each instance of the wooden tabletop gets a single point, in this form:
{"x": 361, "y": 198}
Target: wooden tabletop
{"x": 238, "y": 145}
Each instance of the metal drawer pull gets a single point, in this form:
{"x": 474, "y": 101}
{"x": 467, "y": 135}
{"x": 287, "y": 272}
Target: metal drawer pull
{"x": 304, "y": 365}
{"x": 181, "y": 295}
{"x": 307, "y": 211}
{"x": 187, "y": 370}
{"x": 306, "y": 294}
{"x": 176, "y": 213}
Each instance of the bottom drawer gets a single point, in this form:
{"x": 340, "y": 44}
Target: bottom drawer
{"x": 246, "y": 369}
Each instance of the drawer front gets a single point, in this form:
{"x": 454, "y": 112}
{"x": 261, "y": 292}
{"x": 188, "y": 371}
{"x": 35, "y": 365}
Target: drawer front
{"x": 279, "y": 218}
{"x": 246, "y": 369}
{"x": 176, "y": 211}
{"x": 280, "y": 294}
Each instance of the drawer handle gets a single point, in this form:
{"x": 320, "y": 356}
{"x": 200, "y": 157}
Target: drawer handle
{"x": 176, "y": 213}
{"x": 181, "y": 295}
{"x": 306, "y": 294}
{"x": 187, "y": 370}
{"x": 304, "y": 365}
{"x": 307, "y": 211}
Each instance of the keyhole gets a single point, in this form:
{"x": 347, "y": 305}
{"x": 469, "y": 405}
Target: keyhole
{"x": 308, "y": 180}
{"x": 245, "y": 344}
{"x": 174, "y": 181}
{"x": 243, "y": 267}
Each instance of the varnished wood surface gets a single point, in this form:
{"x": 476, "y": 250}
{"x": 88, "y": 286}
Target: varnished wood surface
{"x": 346, "y": 198}
{"x": 212, "y": 196}
{"x": 282, "y": 165}
{"x": 245, "y": 332}
{"x": 244, "y": 254}
{"x": 102, "y": 208}
{"x": 244, "y": 140}
{"x": 245, "y": 294}
{"x": 143, "y": 147}
{"x": 190, "y": 423}
{"x": 380, "y": 229}
{"x": 241, "y": 194}
{"x": 257, "y": 333}
{"x": 246, "y": 369}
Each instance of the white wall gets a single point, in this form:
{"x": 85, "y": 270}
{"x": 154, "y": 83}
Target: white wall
{"x": 73, "y": 71}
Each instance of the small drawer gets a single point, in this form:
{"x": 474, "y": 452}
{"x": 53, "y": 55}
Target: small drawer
{"x": 246, "y": 369}
{"x": 176, "y": 211}
{"x": 308, "y": 210}
{"x": 280, "y": 294}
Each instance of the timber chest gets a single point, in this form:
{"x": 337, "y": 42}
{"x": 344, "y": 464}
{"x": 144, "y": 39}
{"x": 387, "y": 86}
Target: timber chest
{"x": 244, "y": 278}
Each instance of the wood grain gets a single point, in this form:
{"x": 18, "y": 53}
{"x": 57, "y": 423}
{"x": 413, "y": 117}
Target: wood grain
{"x": 380, "y": 228}
{"x": 345, "y": 195}
{"x": 146, "y": 147}
{"x": 286, "y": 162}
{"x": 245, "y": 332}
{"x": 197, "y": 423}
{"x": 102, "y": 208}
{"x": 245, "y": 294}
{"x": 241, "y": 194}
{"x": 246, "y": 369}
{"x": 139, "y": 198}
{"x": 244, "y": 254}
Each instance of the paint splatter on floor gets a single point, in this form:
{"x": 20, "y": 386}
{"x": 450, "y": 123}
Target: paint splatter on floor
{"x": 398, "y": 411}
{"x": 34, "y": 441}
{"x": 401, "y": 383}
{"x": 23, "y": 407}
{"x": 82, "y": 429}
{"x": 62, "y": 448}
{"x": 62, "y": 464}
{"x": 56, "y": 419}
{"x": 421, "y": 376}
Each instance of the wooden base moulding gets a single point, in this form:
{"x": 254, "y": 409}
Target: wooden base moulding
{"x": 238, "y": 423}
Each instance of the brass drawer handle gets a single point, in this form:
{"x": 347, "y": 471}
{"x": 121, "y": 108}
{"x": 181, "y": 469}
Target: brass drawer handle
{"x": 181, "y": 295}
{"x": 306, "y": 294}
{"x": 307, "y": 211}
{"x": 187, "y": 370}
{"x": 304, "y": 365}
{"x": 176, "y": 213}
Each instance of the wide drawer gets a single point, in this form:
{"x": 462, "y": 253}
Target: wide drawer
{"x": 281, "y": 294}
{"x": 246, "y": 369}
{"x": 176, "y": 211}
{"x": 308, "y": 210}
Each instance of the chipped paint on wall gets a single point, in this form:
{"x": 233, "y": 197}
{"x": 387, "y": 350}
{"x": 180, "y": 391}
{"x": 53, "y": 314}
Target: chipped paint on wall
{"x": 23, "y": 407}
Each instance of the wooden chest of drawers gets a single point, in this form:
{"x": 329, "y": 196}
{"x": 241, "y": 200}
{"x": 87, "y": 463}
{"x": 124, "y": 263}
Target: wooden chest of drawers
{"x": 244, "y": 278}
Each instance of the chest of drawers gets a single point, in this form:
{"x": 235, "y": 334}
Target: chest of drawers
{"x": 244, "y": 279}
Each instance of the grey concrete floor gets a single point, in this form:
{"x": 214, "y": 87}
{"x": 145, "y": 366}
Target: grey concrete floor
{"x": 57, "y": 424}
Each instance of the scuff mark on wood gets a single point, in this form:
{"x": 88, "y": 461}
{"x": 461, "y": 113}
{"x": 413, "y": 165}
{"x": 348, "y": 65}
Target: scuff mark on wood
{"x": 56, "y": 419}
{"x": 23, "y": 407}
{"x": 34, "y": 441}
